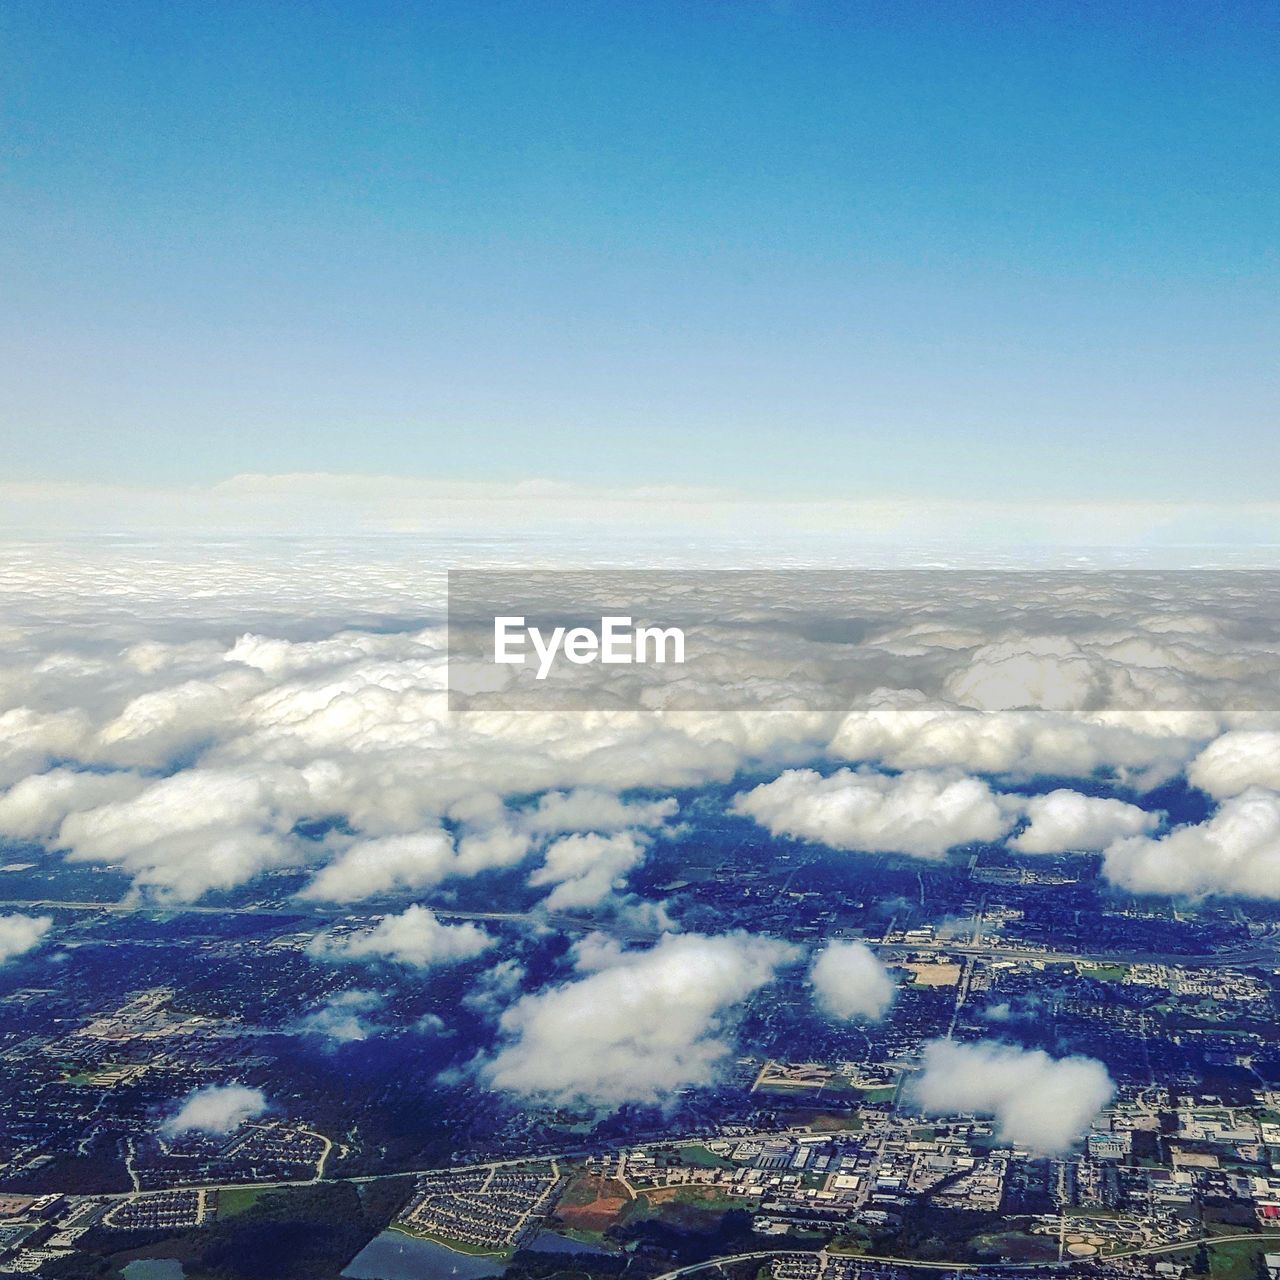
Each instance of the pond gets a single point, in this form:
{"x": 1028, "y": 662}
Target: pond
{"x": 396, "y": 1256}
{"x": 153, "y": 1269}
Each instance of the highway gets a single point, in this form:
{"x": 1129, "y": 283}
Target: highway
{"x": 1264, "y": 953}
{"x": 919, "y": 1264}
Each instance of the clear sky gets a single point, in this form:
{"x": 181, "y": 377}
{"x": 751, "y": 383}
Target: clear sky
{"x": 808, "y": 249}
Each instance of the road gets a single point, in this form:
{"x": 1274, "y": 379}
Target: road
{"x": 1266, "y": 953}
{"x": 917, "y": 1263}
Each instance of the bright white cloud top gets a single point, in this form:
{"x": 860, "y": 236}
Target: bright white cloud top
{"x": 849, "y": 982}
{"x": 416, "y": 938}
{"x": 216, "y": 1109}
{"x": 638, "y": 1024}
{"x": 20, "y": 934}
{"x": 1237, "y": 761}
{"x": 919, "y": 813}
{"x": 1040, "y": 1102}
{"x": 1065, "y": 821}
{"x": 1237, "y": 851}
{"x": 585, "y": 869}
{"x": 214, "y": 701}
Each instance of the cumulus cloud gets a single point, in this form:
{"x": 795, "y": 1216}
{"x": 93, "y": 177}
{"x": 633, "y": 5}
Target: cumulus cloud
{"x": 371, "y": 868}
{"x": 416, "y": 938}
{"x": 638, "y": 1025}
{"x": 589, "y": 809}
{"x": 585, "y": 869}
{"x": 1065, "y": 821}
{"x": 34, "y": 808}
{"x": 907, "y": 729}
{"x": 920, "y": 813}
{"x": 1237, "y": 761}
{"x": 1039, "y": 1102}
{"x": 216, "y": 1109}
{"x": 1237, "y": 851}
{"x": 197, "y": 830}
{"x": 496, "y": 987}
{"x": 342, "y": 1018}
{"x": 331, "y": 707}
{"x": 20, "y": 934}
{"x": 849, "y": 982}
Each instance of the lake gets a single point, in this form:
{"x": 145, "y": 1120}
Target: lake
{"x": 153, "y": 1269}
{"x": 395, "y": 1256}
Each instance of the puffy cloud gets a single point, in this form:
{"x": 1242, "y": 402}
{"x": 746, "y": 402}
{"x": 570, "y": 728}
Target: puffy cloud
{"x": 332, "y": 703}
{"x": 1038, "y": 1101}
{"x": 920, "y": 813}
{"x": 216, "y": 1109}
{"x": 342, "y": 1018}
{"x": 198, "y": 830}
{"x": 850, "y": 982}
{"x": 1237, "y": 851}
{"x": 1050, "y": 673}
{"x": 496, "y": 987}
{"x": 20, "y": 934}
{"x": 416, "y": 938}
{"x": 31, "y": 740}
{"x": 1237, "y": 761}
{"x": 588, "y": 809}
{"x": 1065, "y": 821}
{"x": 638, "y": 1025}
{"x": 585, "y": 869}
{"x": 906, "y": 729}
{"x": 34, "y": 808}
{"x": 370, "y": 868}
{"x": 163, "y": 723}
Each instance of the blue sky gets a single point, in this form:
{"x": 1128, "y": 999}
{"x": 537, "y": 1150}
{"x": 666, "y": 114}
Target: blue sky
{"x": 815, "y": 250}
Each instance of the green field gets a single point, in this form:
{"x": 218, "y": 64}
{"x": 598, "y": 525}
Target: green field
{"x": 232, "y": 1202}
{"x": 696, "y": 1154}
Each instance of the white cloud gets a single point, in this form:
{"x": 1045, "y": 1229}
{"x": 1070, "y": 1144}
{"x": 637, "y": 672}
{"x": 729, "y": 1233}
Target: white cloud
{"x": 585, "y": 869}
{"x": 1065, "y": 821}
{"x": 1237, "y": 761}
{"x": 371, "y": 868}
{"x": 416, "y": 938}
{"x": 588, "y": 809}
{"x": 31, "y": 740}
{"x": 330, "y": 706}
{"x": 198, "y": 830}
{"x": 216, "y": 1109}
{"x": 1038, "y": 1101}
{"x": 906, "y": 729}
{"x": 923, "y": 814}
{"x": 342, "y": 1018}
{"x": 34, "y": 808}
{"x": 1048, "y": 673}
{"x": 20, "y": 934}
{"x": 638, "y": 1025}
{"x": 496, "y": 987}
{"x": 850, "y": 982}
{"x": 1236, "y": 851}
